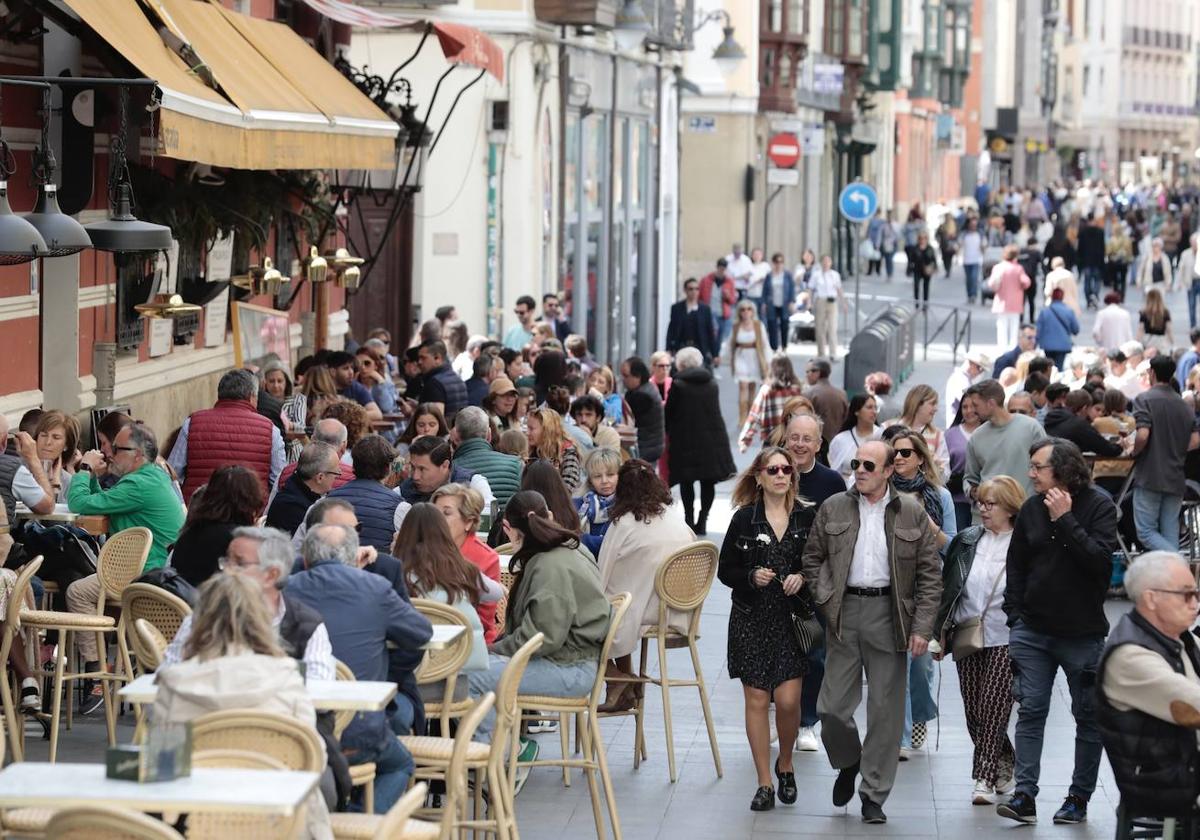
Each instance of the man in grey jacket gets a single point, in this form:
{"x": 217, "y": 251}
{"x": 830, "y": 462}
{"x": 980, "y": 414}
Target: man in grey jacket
{"x": 873, "y": 560}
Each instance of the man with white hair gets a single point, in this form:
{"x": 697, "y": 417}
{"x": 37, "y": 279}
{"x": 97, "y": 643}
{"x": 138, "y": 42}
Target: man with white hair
{"x": 471, "y": 437}
{"x": 1148, "y": 689}
{"x": 328, "y": 431}
{"x": 464, "y": 362}
{"x": 973, "y": 369}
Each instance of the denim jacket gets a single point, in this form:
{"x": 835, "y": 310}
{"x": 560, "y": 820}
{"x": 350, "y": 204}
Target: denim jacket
{"x": 748, "y": 541}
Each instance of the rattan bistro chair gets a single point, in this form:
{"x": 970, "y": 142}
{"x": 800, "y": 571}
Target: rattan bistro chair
{"x": 442, "y": 667}
{"x": 361, "y": 775}
{"x": 218, "y": 826}
{"x": 103, "y": 823}
{"x": 284, "y": 739}
{"x": 396, "y": 824}
{"x": 155, "y": 605}
{"x": 13, "y": 720}
{"x": 594, "y": 761}
{"x": 150, "y": 646}
{"x": 682, "y": 583}
{"x": 120, "y": 563}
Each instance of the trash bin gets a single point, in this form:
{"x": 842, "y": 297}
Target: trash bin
{"x": 887, "y": 343}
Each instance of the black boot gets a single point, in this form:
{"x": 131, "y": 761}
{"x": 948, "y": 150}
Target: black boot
{"x": 701, "y": 528}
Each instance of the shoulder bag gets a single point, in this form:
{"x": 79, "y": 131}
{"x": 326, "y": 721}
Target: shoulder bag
{"x": 809, "y": 633}
{"x": 966, "y": 638}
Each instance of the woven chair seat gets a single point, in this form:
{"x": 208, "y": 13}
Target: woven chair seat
{"x": 364, "y": 827}
{"x": 674, "y": 640}
{"x": 27, "y": 820}
{"x": 440, "y": 749}
{"x": 544, "y": 703}
{"x": 74, "y": 621}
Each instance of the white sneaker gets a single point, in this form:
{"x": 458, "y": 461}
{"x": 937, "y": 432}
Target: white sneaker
{"x": 1004, "y": 787}
{"x": 982, "y": 795}
{"x": 905, "y": 753}
{"x": 807, "y": 741}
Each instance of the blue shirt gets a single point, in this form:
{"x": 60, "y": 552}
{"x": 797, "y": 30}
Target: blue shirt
{"x": 1186, "y": 363}
{"x": 517, "y": 337}
{"x": 358, "y": 392}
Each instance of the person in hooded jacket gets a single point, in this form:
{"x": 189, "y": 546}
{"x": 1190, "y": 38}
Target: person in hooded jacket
{"x": 699, "y": 450}
{"x": 1074, "y": 423}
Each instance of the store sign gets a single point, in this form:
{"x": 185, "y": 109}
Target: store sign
{"x": 702, "y": 125}
{"x": 219, "y": 265}
{"x": 216, "y": 313}
{"x": 828, "y": 78}
{"x": 161, "y": 330}
{"x": 812, "y": 140}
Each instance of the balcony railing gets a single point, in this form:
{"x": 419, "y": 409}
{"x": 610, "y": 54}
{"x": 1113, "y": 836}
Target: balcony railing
{"x": 781, "y": 55}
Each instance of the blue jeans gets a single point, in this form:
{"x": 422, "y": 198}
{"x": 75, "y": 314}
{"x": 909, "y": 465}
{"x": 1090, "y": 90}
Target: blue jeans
{"x": 889, "y": 258}
{"x": 721, "y": 328}
{"x": 1036, "y": 659}
{"x": 1092, "y": 278}
{"x": 541, "y": 677}
{"x": 403, "y": 715}
{"x": 1193, "y": 296}
{"x": 776, "y": 318}
{"x": 919, "y": 705}
{"x": 393, "y": 768}
{"x": 972, "y": 275}
{"x": 1156, "y": 516}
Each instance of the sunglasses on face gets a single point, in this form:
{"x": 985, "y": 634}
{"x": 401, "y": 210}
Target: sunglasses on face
{"x": 776, "y": 469}
{"x": 869, "y": 466}
{"x": 905, "y": 452}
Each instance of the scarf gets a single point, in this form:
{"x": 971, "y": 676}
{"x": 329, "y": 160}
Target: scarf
{"x": 929, "y": 494}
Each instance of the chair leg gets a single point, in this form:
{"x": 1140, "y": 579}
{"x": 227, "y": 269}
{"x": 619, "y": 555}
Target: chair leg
{"x": 12, "y": 720}
{"x": 564, "y": 741}
{"x": 708, "y": 718}
{"x": 605, "y": 778}
{"x": 60, "y": 666}
{"x": 665, "y": 683}
{"x": 639, "y": 718}
{"x": 369, "y": 797}
{"x": 589, "y": 771}
{"x": 498, "y": 806}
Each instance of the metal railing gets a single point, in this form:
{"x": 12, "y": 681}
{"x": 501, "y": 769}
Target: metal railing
{"x": 955, "y": 323}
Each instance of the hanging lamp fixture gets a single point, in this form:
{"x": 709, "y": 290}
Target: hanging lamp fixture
{"x": 167, "y": 306}
{"x": 260, "y": 280}
{"x": 20, "y": 241}
{"x": 317, "y": 269}
{"x": 63, "y": 235}
{"x": 347, "y": 274}
{"x": 122, "y": 231}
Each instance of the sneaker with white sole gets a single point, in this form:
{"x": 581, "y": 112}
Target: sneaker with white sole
{"x": 983, "y": 793}
{"x": 31, "y": 697}
{"x": 807, "y": 740}
{"x": 529, "y": 752}
{"x": 93, "y": 700}
{"x": 542, "y": 726}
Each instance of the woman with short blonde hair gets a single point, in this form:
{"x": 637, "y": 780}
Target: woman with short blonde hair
{"x": 549, "y": 441}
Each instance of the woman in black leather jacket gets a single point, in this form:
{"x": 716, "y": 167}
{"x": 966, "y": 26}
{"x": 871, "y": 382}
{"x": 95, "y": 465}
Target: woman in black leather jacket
{"x": 760, "y": 562}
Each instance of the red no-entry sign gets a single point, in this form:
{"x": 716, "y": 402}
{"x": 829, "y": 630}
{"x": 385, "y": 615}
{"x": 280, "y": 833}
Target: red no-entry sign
{"x": 783, "y": 149}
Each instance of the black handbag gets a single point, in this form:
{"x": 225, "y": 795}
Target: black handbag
{"x": 809, "y": 633}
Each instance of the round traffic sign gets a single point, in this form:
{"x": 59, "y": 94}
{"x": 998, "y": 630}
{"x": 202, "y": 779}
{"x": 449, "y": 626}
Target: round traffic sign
{"x": 858, "y": 202}
{"x": 783, "y": 149}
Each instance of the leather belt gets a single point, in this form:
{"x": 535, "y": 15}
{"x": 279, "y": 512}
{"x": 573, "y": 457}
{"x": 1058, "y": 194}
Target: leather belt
{"x": 868, "y": 591}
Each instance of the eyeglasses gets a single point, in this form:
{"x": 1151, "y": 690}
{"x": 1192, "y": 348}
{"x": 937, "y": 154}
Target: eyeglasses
{"x": 663, "y": 365}
{"x": 521, "y": 313}
{"x": 986, "y": 505}
{"x": 869, "y": 466}
{"x": 334, "y": 473}
{"x": 1186, "y": 594}
{"x": 125, "y": 448}
{"x": 905, "y": 453}
{"x": 1036, "y": 467}
{"x": 776, "y": 469}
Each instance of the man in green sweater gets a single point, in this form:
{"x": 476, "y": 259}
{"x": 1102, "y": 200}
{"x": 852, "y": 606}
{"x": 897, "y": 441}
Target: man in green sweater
{"x": 142, "y": 496}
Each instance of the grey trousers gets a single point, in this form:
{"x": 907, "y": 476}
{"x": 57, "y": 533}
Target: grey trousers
{"x": 868, "y": 643}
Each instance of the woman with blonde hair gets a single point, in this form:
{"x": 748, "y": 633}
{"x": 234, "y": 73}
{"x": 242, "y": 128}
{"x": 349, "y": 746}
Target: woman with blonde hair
{"x": 920, "y": 408}
{"x": 306, "y": 405}
{"x": 1154, "y": 323}
{"x": 747, "y": 355}
{"x": 462, "y": 506}
{"x": 233, "y": 660}
{"x": 974, "y": 576}
{"x": 549, "y": 441}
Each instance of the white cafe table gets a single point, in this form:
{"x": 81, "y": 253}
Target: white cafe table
{"x": 30, "y": 784}
{"x": 443, "y": 635}
{"x": 326, "y": 695}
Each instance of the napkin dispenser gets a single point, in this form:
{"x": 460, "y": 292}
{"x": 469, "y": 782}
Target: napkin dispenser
{"x": 166, "y": 755}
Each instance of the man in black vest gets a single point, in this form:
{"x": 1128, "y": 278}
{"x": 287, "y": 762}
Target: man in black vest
{"x": 691, "y": 324}
{"x": 442, "y": 386}
{"x": 1148, "y": 690}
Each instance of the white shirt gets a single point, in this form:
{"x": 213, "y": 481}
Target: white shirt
{"x": 825, "y": 284}
{"x": 740, "y": 269}
{"x": 777, "y": 290}
{"x": 26, "y": 489}
{"x": 869, "y": 568}
{"x": 758, "y": 274}
{"x": 318, "y": 653}
{"x": 1113, "y": 327}
{"x": 988, "y": 572}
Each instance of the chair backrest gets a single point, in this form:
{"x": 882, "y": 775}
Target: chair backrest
{"x": 502, "y": 611}
{"x": 507, "y": 689}
{"x": 149, "y": 645}
{"x": 505, "y": 548}
{"x": 239, "y": 759}
{"x": 161, "y": 609}
{"x": 16, "y": 598}
{"x": 620, "y": 604}
{"x": 400, "y": 813}
{"x": 205, "y": 825}
{"x": 445, "y": 664}
{"x": 342, "y": 719}
{"x": 121, "y": 561}
{"x": 683, "y": 582}
{"x": 456, "y": 772}
{"x": 103, "y": 823}
{"x": 283, "y": 738}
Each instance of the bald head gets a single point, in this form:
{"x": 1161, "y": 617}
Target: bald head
{"x": 803, "y": 440}
{"x": 332, "y": 432}
{"x": 874, "y": 469}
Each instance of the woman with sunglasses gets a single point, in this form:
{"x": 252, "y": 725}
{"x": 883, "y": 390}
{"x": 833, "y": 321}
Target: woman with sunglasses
{"x": 917, "y": 474}
{"x": 760, "y": 562}
{"x": 747, "y": 354}
{"x": 973, "y": 580}
{"x": 858, "y": 428}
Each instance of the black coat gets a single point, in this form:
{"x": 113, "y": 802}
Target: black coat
{"x": 698, "y": 447}
{"x": 691, "y": 329}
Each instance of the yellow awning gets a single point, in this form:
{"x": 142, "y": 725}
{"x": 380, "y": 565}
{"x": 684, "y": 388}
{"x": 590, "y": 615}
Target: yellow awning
{"x": 266, "y": 122}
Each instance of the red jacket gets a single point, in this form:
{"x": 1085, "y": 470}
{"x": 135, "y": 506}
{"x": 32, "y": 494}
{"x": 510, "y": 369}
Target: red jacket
{"x": 231, "y": 432}
{"x": 728, "y": 294}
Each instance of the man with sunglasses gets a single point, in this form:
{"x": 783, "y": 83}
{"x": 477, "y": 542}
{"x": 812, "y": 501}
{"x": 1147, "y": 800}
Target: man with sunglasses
{"x": 1059, "y": 567}
{"x": 521, "y": 333}
{"x": 873, "y": 559}
{"x": 1148, "y": 691}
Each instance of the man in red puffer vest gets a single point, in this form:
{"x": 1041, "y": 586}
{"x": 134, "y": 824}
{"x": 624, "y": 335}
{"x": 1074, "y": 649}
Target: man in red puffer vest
{"x": 231, "y": 432}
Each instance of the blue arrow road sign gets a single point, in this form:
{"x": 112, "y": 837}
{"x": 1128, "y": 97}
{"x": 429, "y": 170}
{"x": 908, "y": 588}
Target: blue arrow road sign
{"x": 858, "y": 202}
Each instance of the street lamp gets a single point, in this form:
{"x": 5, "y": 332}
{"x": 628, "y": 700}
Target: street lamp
{"x": 632, "y": 25}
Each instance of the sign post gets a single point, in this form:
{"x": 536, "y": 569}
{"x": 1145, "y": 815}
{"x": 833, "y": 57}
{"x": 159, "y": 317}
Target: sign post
{"x": 857, "y": 203}
{"x": 783, "y": 152}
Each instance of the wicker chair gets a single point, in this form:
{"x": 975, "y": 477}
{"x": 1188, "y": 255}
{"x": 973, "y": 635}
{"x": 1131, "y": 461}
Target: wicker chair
{"x": 13, "y": 720}
{"x": 442, "y": 667}
{"x": 150, "y": 646}
{"x": 24, "y": 822}
{"x": 101, "y": 823}
{"x": 396, "y": 824}
{"x": 289, "y": 742}
{"x": 204, "y": 825}
{"x": 682, "y": 584}
{"x": 361, "y": 775}
{"x": 120, "y": 563}
{"x": 594, "y": 760}
{"x": 433, "y": 756}
{"x": 157, "y": 606}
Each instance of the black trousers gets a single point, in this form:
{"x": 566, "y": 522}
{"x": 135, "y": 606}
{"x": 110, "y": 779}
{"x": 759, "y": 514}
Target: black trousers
{"x": 687, "y": 494}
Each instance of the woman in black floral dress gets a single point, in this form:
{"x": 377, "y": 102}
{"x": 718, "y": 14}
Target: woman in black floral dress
{"x": 760, "y": 562}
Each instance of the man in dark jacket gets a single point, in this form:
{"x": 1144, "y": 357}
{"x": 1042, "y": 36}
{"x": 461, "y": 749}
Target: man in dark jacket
{"x": 1026, "y": 341}
{"x": 1071, "y": 421}
{"x": 472, "y": 433}
{"x": 362, "y": 613}
{"x": 1091, "y": 258}
{"x": 1059, "y": 567}
{"x": 442, "y": 386}
{"x": 691, "y": 324}
{"x": 481, "y": 377}
{"x": 1148, "y": 690}
{"x": 430, "y": 460}
{"x": 374, "y": 504}
{"x": 646, "y": 405}
{"x": 315, "y": 473}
